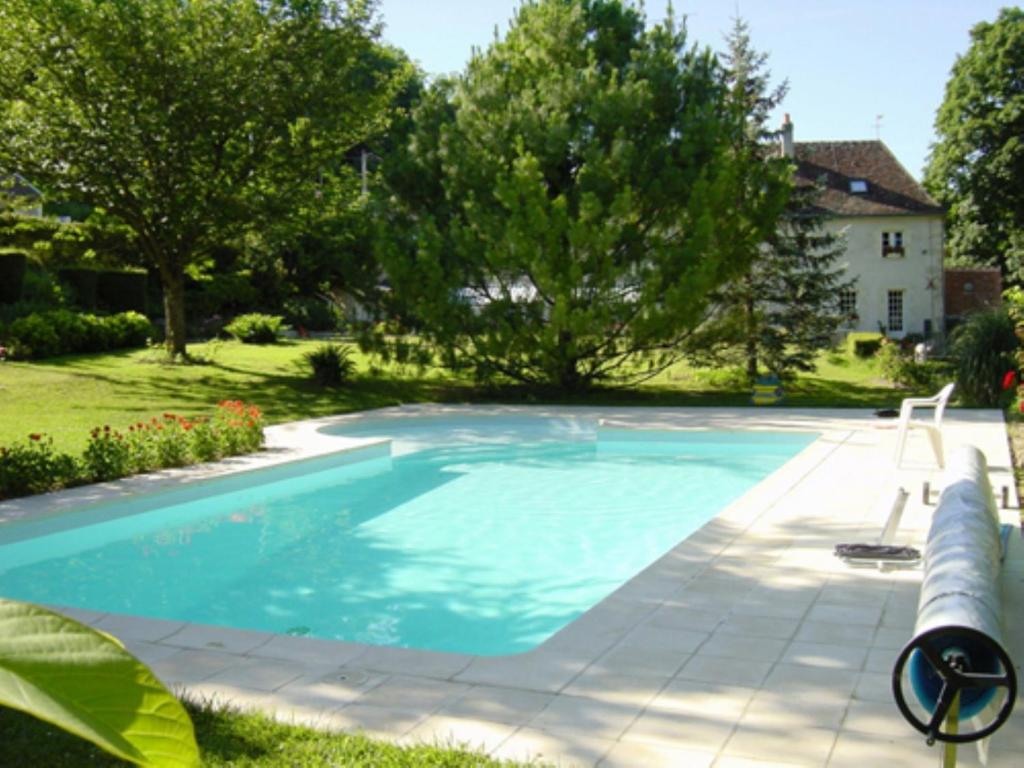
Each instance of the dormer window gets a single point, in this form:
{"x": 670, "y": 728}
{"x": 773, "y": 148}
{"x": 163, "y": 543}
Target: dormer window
{"x": 892, "y": 244}
{"x": 858, "y": 186}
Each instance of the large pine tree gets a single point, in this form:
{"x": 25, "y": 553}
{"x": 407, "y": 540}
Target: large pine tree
{"x": 784, "y": 308}
{"x": 560, "y": 212}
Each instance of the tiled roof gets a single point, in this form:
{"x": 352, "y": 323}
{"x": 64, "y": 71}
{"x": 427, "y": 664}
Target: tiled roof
{"x": 890, "y": 190}
{"x": 16, "y": 186}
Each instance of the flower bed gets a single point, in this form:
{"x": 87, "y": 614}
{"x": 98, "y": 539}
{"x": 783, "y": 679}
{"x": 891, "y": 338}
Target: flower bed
{"x": 164, "y": 441}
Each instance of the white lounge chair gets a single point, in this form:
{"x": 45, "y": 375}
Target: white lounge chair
{"x": 932, "y": 427}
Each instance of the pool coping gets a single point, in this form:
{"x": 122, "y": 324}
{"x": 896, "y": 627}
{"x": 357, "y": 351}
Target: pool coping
{"x": 322, "y": 680}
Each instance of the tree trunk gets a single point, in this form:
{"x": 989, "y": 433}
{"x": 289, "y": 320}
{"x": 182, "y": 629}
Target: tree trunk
{"x": 749, "y": 309}
{"x": 173, "y": 280}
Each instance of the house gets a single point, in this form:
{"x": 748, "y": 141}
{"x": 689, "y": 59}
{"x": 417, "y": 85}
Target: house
{"x": 893, "y": 229}
{"x": 971, "y": 290}
{"x": 22, "y": 197}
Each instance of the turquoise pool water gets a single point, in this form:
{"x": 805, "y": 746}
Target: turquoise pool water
{"x": 481, "y": 536}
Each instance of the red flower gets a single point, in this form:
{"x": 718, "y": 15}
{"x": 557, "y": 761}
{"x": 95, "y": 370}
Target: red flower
{"x": 1009, "y": 380}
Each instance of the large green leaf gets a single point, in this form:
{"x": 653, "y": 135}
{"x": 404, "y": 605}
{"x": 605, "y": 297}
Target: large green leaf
{"x": 83, "y": 681}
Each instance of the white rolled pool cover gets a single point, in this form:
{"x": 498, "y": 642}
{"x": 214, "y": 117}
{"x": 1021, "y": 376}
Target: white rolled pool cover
{"x": 957, "y": 661}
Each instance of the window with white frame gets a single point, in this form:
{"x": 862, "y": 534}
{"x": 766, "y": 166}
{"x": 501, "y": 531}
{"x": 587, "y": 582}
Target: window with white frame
{"x": 895, "y": 311}
{"x": 892, "y": 244}
{"x": 848, "y": 305}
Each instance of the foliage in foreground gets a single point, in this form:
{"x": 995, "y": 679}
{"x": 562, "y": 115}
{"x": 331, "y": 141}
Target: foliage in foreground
{"x": 977, "y": 165}
{"x": 84, "y": 682}
{"x": 558, "y": 213}
{"x": 238, "y": 740}
{"x": 33, "y": 466}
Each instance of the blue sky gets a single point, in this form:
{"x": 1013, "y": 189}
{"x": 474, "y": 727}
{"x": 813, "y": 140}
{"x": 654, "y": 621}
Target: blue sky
{"x": 847, "y": 61}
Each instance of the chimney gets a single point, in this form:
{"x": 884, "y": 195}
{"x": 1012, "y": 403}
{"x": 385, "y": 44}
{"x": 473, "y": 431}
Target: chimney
{"x": 787, "y": 137}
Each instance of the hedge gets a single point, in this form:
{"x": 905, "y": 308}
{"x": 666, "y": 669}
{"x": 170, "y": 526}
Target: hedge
{"x": 62, "y": 332}
{"x": 12, "y": 275}
{"x": 83, "y": 285}
{"x": 121, "y": 291}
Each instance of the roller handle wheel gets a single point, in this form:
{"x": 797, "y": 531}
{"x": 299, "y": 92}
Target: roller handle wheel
{"x": 956, "y": 677}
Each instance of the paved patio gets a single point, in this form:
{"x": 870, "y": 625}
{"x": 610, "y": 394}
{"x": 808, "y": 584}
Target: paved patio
{"x": 748, "y": 644}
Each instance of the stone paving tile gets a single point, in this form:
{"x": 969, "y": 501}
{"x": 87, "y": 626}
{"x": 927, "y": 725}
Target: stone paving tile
{"x": 615, "y": 688}
{"x": 673, "y": 729}
{"x": 261, "y": 674}
{"x": 640, "y": 662}
{"x": 309, "y": 650}
{"x": 870, "y": 615}
{"x": 808, "y": 681}
{"x": 191, "y": 666}
{"x": 700, "y": 699}
{"x": 411, "y": 694}
{"x": 780, "y": 628}
{"x": 768, "y": 709}
{"x": 646, "y": 638}
{"x": 551, "y": 749}
{"x": 149, "y": 653}
{"x": 638, "y": 755}
{"x": 881, "y": 660}
{"x": 576, "y": 714}
{"x": 715, "y": 669}
{"x": 858, "y": 635}
{"x": 413, "y": 662}
{"x": 225, "y": 696}
{"x": 725, "y": 761}
{"x": 878, "y": 717}
{"x": 822, "y": 655}
{"x": 675, "y": 617}
{"x": 202, "y": 636}
{"x": 856, "y": 750}
{"x": 740, "y": 647}
{"x": 328, "y": 690}
{"x": 893, "y": 639}
{"x": 800, "y": 746}
{"x": 873, "y": 686}
{"x": 81, "y": 615}
{"x": 447, "y": 731}
{"x": 379, "y": 722}
{"x": 138, "y": 627}
{"x": 548, "y": 673}
{"x": 500, "y": 705}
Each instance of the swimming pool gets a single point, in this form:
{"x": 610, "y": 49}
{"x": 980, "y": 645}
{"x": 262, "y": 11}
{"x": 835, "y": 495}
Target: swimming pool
{"x": 480, "y": 535}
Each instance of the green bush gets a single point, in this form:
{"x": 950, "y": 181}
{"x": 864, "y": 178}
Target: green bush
{"x": 331, "y": 364}
{"x": 161, "y": 442}
{"x": 34, "y": 467}
{"x": 61, "y": 332}
{"x": 897, "y": 364}
{"x": 12, "y": 275}
{"x": 256, "y": 328}
{"x": 864, "y": 344}
{"x": 984, "y": 348}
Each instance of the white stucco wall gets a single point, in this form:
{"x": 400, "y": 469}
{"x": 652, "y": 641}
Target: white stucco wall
{"x": 918, "y": 273}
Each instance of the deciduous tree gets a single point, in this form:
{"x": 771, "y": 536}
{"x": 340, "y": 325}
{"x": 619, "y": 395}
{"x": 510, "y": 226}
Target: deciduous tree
{"x": 189, "y": 120}
{"x": 977, "y": 165}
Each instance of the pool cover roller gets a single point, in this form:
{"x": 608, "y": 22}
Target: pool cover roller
{"x": 956, "y": 663}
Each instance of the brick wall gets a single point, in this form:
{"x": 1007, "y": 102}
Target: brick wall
{"x": 968, "y": 290}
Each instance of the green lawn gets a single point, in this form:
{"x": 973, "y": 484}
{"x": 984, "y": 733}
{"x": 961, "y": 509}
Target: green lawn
{"x": 66, "y": 397}
{"x": 231, "y": 739}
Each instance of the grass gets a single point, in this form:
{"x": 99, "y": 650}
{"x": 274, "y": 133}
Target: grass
{"x": 229, "y": 738}
{"x": 66, "y": 397}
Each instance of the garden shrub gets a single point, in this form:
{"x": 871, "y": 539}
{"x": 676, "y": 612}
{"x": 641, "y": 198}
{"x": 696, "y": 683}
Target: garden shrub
{"x": 331, "y": 364}
{"x": 34, "y": 467}
{"x": 121, "y": 291}
{"x": 162, "y": 442}
{"x": 12, "y": 276}
{"x": 256, "y": 328}
{"x": 897, "y": 364}
{"x": 61, "y": 332}
{"x": 864, "y": 344}
{"x": 984, "y": 348}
